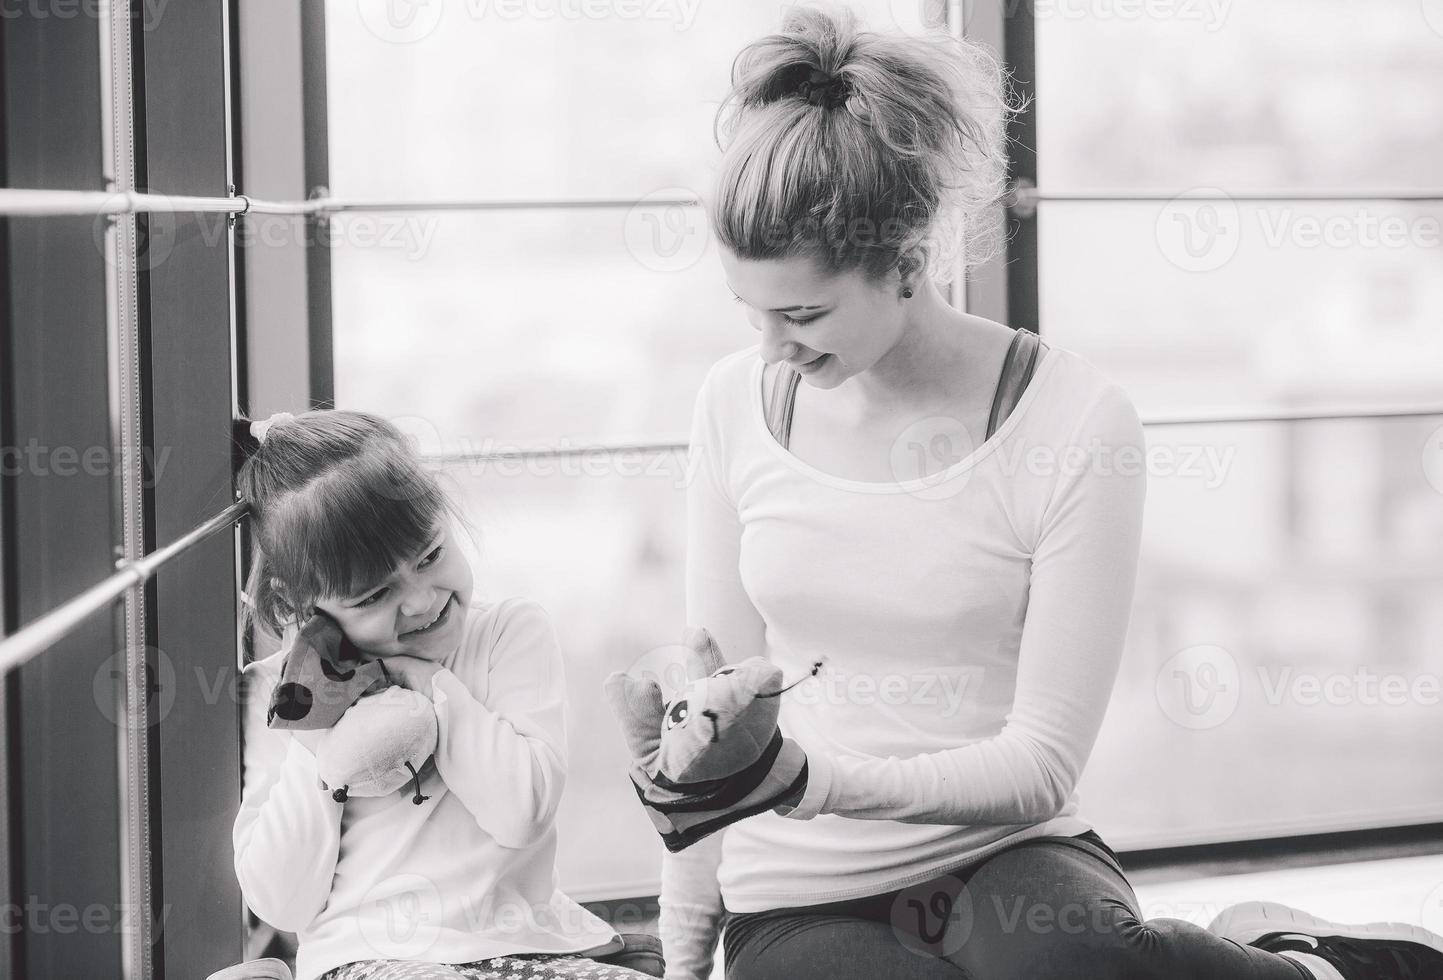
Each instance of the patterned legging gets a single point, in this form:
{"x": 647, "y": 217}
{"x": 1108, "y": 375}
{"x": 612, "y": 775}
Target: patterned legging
{"x": 520, "y": 966}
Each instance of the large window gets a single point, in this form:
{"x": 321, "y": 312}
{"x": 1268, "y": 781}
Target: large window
{"x": 587, "y": 310}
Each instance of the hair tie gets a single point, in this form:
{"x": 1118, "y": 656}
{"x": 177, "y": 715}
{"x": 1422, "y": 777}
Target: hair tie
{"x": 821, "y": 89}
{"x": 259, "y": 429}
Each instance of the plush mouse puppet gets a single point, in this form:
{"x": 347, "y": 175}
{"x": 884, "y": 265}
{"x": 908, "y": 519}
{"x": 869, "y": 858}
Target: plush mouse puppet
{"x": 377, "y": 736}
{"x": 714, "y": 754}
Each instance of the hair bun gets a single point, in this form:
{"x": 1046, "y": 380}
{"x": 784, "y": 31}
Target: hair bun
{"x": 822, "y": 89}
{"x": 905, "y": 180}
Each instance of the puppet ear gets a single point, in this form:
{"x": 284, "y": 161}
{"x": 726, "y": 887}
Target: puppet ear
{"x": 319, "y": 679}
{"x": 638, "y": 707}
{"x": 704, "y": 657}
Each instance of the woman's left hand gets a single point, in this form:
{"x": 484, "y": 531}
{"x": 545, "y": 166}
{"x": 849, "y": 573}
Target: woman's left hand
{"x": 413, "y": 673}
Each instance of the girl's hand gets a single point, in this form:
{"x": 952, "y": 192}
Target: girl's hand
{"x": 412, "y": 673}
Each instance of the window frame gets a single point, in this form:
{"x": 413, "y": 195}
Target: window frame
{"x": 188, "y": 376}
{"x": 56, "y": 534}
{"x": 174, "y": 777}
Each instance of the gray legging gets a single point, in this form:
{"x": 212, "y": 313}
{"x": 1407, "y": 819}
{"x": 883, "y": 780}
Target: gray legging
{"x": 1052, "y": 908}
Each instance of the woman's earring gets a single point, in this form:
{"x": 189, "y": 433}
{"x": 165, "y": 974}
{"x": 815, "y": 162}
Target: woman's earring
{"x": 906, "y": 292}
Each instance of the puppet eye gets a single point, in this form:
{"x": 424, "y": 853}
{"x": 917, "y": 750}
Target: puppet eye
{"x": 724, "y": 671}
{"x": 676, "y": 714}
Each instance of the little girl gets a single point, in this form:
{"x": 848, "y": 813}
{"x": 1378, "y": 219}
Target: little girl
{"x": 346, "y": 522}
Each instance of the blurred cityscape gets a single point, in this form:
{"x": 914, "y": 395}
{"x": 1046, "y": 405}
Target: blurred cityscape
{"x": 1276, "y": 554}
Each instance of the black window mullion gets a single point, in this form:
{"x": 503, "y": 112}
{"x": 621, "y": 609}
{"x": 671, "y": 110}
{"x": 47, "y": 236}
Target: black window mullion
{"x": 318, "y": 175}
{"x": 195, "y": 772}
{"x": 1020, "y": 53}
{"x": 61, "y": 774}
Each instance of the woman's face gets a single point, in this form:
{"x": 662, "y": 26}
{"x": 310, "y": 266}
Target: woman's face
{"x": 417, "y": 611}
{"x": 829, "y": 327}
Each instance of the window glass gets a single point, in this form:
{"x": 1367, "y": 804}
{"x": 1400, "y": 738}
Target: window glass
{"x": 599, "y": 541}
{"x": 537, "y": 99}
{"x": 533, "y": 328}
{"x": 1281, "y": 673}
{"x": 1300, "y": 94}
{"x": 1212, "y": 307}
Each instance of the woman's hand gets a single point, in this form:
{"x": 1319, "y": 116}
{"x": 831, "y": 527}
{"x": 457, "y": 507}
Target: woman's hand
{"x": 412, "y": 673}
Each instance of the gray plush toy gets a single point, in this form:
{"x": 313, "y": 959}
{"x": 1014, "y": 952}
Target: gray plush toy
{"x": 376, "y": 736}
{"x": 714, "y": 754}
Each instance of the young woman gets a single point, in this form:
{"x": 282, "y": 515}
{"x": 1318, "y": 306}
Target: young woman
{"x": 859, "y": 499}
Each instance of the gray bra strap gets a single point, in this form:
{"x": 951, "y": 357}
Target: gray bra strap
{"x": 781, "y": 402}
{"x": 1022, "y": 357}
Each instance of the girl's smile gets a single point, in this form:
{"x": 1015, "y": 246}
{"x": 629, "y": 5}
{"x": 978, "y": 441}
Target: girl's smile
{"x": 416, "y": 611}
{"x": 436, "y": 622}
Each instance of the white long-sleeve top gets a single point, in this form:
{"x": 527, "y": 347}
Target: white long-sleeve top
{"x": 971, "y": 625}
{"x": 468, "y": 874}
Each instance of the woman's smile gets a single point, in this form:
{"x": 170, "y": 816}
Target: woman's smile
{"x": 815, "y": 364}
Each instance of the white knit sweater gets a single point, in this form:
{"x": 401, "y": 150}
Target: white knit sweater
{"x": 470, "y": 873}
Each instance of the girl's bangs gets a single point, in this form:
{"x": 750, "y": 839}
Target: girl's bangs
{"x": 350, "y": 530}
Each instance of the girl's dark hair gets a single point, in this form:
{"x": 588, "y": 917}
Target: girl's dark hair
{"x": 901, "y": 162}
{"x": 338, "y": 499}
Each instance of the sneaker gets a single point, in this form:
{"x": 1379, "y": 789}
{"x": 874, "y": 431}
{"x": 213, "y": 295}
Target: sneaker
{"x": 1374, "y": 951}
{"x": 266, "y": 969}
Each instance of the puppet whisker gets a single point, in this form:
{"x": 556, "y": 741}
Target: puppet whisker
{"x": 776, "y": 694}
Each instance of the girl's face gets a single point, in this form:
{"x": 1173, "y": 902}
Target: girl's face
{"x": 417, "y": 611}
{"x": 828, "y": 327}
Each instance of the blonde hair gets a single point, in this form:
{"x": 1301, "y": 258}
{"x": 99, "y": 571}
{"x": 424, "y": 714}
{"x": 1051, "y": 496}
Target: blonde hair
{"x": 903, "y": 161}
